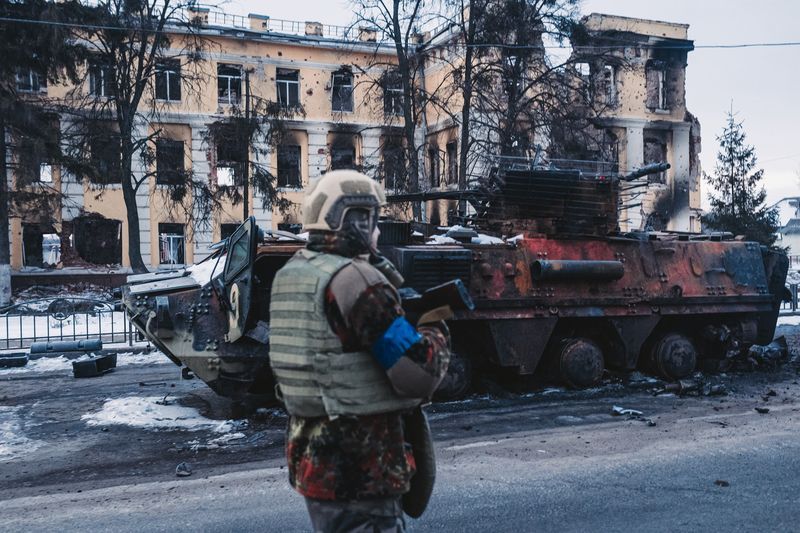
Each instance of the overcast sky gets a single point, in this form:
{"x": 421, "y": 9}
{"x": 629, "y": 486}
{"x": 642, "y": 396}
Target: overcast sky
{"x": 761, "y": 84}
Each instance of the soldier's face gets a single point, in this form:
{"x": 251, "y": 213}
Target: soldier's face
{"x": 362, "y": 220}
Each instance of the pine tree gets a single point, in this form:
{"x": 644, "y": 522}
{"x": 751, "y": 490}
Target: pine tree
{"x": 737, "y": 205}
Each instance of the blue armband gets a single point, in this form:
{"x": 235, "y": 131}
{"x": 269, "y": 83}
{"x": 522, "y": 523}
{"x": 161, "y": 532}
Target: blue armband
{"x": 394, "y": 342}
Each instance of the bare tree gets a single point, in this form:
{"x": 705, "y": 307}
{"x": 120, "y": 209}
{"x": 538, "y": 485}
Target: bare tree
{"x": 132, "y": 44}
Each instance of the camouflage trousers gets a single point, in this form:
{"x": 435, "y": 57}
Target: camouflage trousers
{"x": 366, "y": 516}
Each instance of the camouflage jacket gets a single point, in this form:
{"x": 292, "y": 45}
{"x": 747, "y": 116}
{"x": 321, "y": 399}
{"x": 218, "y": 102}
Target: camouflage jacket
{"x": 360, "y": 457}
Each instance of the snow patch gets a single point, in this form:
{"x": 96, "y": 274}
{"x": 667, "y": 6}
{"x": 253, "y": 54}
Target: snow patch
{"x": 788, "y": 320}
{"x": 62, "y": 364}
{"x": 441, "y": 239}
{"x": 150, "y": 413}
{"x": 204, "y": 272}
{"x": 487, "y": 239}
{"x": 13, "y": 442}
{"x": 516, "y": 239}
{"x": 480, "y": 444}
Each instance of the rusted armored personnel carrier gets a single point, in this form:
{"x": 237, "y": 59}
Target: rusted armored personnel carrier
{"x": 558, "y": 290}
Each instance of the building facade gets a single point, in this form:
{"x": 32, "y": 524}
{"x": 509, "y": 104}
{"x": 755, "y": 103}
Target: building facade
{"x": 350, "y": 118}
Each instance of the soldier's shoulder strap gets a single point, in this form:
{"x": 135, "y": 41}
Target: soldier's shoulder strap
{"x": 351, "y": 281}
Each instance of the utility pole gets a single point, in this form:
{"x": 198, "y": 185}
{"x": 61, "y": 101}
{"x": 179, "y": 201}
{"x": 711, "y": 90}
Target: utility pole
{"x": 248, "y": 129}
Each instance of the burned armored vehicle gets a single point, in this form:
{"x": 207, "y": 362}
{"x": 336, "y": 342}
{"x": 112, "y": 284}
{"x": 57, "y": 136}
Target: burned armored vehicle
{"x": 557, "y": 289}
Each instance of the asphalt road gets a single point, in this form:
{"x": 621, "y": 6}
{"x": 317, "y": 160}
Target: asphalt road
{"x": 543, "y": 462}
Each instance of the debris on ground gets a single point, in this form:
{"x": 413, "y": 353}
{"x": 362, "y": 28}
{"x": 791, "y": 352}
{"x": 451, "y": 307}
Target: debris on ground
{"x": 698, "y": 385}
{"x": 768, "y": 356}
{"x": 632, "y": 414}
{"x": 13, "y": 360}
{"x": 762, "y": 410}
{"x": 722, "y": 483}
{"x": 94, "y": 365}
{"x": 183, "y": 470}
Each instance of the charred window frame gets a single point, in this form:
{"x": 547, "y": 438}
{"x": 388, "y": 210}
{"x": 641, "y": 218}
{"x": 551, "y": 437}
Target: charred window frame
{"x": 105, "y": 159}
{"x": 101, "y": 78}
{"x": 168, "y": 81}
{"x": 342, "y": 91}
{"x": 289, "y": 166}
{"x": 343, "y": 156}
{"x": 227, "y": 229}
{"x": 288, "y": 86}
{"x": 169, "y": 162}
{"x": 229, "y": 84}
{"x": 393, "y": 163}
{"x": 229, "y": 160}
{"x": 452, "y": 162}
{"x": 657, "y": 86}
{"x": 434, "y": 166}
{"x": 30, "y": 81}
{"x": 171, "y": 244}
{"x": 392, "y": 93}
{"x": 41, "y": 246}
{"x": 655, "y": 151}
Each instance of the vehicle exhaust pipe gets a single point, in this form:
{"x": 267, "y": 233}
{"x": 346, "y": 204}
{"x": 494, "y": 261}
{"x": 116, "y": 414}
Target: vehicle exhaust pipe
{"x": 542, "y": 270}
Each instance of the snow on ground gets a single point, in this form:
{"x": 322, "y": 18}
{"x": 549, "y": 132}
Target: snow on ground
{"x": 441, "y": 239}
{"x": 13, "y": 441}
{"x": 788, "y": 320}
{"x": 151, "y": 413}
{"x": 62, "y": 364}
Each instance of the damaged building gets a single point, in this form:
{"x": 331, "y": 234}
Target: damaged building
{"x": 348, "y": 120}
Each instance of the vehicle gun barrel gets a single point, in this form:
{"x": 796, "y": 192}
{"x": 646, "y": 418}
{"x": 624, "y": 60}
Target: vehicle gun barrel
{"x": 655, "y": 168}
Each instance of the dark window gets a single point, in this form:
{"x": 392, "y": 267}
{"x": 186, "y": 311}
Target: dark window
{"x": 172, "y": 244}
{"x": 226, "y": 230}
{"x": 169, "y": 162}
{"x": 452, "y": 163}
{"x": 655, "y": 151}
{"x": 342, "y": 93}
{"x": 168, "y": 81}
{"x": 289, "y": 166}
{"x": 343, "y": 156}
{"x": 433, "y": 166}
{"x": 229, "y": 160}
{"x": 288, "y": 87}
{"x": 101, "y": 79}
{"x": 229, "y": 84}
{"x": 29, "y": 81}
{"x": 393, "y": 163}
{"x": 392, "y": 94}
{"x": 98, "y": 240}
{"x": 105, "y": 159}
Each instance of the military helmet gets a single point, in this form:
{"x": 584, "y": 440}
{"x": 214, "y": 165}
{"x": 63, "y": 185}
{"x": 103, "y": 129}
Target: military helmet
{"x": 329, "y": 198}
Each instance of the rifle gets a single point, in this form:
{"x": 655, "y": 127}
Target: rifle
{"x": 437, "y": 303}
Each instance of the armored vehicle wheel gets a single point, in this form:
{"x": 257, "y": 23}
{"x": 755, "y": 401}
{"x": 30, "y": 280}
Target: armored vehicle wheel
{"x": 457, "y": 381}
{"x": 580, "y": 362}
{"x": 674, "y": 356}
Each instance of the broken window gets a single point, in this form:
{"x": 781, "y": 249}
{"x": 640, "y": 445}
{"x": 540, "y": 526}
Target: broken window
{"x": 289, "y": 166}
{"x": 393, "y": 163}
{"x": 105, "y": 158}
{"x": 609, "y": 85}
{"x": 452, "y": 163}
{"x": 97, "y": 239}
{"x": 38, "y": 248}
{"x": 229, "y": 84}
{"x": 101, "y": 78}
{"x": 226, "y": 230}
{"x": 655, "y": 151}
{"x": 656, "y": 84}
{"x": 343, "y": 153}
{"x": 172, "y": 244}
{"x": 169, "y": 162}
{"x": 392, "y": 94}
{"x": 168, "y": 80}
{"x": 230, "y": 158}
{"x": 30, "y": 81}
{"x": 288, "y": 87}
{"x": 342, "y": 91}
{"x": 433, "y": 166}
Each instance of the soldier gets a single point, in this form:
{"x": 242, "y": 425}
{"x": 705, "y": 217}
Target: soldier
{"x": 349, "y": 366}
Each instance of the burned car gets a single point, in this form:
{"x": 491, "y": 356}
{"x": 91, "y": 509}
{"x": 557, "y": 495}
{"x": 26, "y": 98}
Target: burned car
{"x": 557, "y": 289}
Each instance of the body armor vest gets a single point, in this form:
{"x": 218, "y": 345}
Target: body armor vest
{"x": 315, "y": 376}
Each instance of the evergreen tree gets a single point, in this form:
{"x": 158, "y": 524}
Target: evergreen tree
{"x": 737, "y": 205}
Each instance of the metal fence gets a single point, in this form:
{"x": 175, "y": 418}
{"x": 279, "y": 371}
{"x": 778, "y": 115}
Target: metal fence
{"x": 56, "y": 319}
